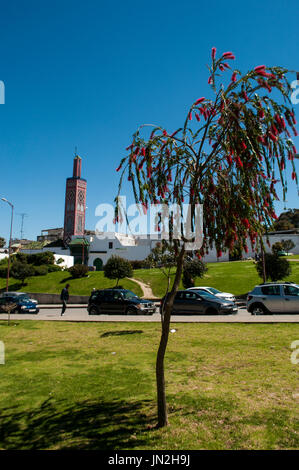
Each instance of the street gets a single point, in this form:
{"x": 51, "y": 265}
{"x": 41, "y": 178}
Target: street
{"x": 81, "y": 315}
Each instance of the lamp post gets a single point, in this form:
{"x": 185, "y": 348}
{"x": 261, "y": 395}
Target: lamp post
{"x": 9, "y": 248}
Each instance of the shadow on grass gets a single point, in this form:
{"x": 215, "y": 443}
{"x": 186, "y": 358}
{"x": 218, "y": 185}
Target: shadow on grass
{"x": 87, "y": 426}
{"x": 66, "y": 279}
{"x": 120, "y": 333}
{"x": 14, "y": 287}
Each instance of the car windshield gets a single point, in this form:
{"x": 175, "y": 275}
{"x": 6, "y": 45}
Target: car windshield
{"x": 204, "y": 293}
{"x": 129, "y": 295}
{"x": 214, "y": 291}
{"x": 23, "y": 297}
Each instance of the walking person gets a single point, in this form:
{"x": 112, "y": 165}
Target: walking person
{"x": 64, "y": 296}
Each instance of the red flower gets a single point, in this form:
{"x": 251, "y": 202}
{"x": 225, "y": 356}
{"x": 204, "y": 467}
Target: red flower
{"x": 261, "y": 113}
{"x": 293, "y": 175}
{"x": 200, "y": 100}
{"x": 143, "y": 151}
{"x": 190, "y": 116}
{"x": 210, "y": 80}
{"x": 197, "y": 116}
{"x": 259, "y": 68}
{"x": 213, "y": 52}
{"x": 117, "y": 169}
{"x": 228, "y": 55}
{"x": 219, "y": 253}
{"x": 234, "y": 77}
{"x": 244, "y": 146}
{"x": 164, "y": 132}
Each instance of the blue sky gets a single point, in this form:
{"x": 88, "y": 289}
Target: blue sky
{"x": 86, "y": 74}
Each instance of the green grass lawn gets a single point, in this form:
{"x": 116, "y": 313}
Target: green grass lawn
{"x": 92, "y": 386}
{"x": 237, "y": 277}
{"x": 52, "y": 283}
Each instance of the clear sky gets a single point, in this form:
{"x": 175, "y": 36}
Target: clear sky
{"x": 87, "y": 73}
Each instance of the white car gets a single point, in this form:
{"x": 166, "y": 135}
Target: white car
{"x": 216, "y": 292}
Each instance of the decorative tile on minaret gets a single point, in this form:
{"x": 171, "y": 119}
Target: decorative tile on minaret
{"x": 75, "y": 202}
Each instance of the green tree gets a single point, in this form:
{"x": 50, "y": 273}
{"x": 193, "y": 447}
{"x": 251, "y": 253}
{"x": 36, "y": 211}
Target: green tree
{"x": 276, "y": 268}
{"x": 287, "y": 245}
{"x": 276, "y": 247}
{"x": 228, "y": 155}
{"x": 2, "y": 242}
{"x": 117, "y": 268}
{"x": 192, "y": 269}
{"x": 21, "y": 271}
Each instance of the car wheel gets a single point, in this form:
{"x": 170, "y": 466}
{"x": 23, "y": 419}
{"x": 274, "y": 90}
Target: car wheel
{"x": 93, "y": 311}
{"x": 258, "y": 309}
{"x": 131, "y": 311}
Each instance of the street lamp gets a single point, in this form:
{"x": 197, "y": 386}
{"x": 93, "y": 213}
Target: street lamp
{"x": 9, "y": 248}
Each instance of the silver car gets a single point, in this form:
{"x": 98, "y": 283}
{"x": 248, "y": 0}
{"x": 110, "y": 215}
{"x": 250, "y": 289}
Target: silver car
{"x": 281, "y": 297}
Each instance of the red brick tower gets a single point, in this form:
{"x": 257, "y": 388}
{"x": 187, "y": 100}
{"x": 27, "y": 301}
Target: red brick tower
{"x": 75, "y": 203}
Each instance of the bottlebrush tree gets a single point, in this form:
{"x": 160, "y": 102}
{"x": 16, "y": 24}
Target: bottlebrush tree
{"x": 229, "y": 155}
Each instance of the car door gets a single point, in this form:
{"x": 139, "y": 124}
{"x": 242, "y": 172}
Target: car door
{"x": 271, "y": 297}
{"x": 290, "y": 299}
{"x": 179, "y": 306}
{"x": 194, "y": 303}
{"x": 113, "y": 303}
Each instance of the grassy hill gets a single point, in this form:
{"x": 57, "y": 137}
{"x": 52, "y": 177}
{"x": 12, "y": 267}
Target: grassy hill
{"x": 237, "y": 277}
{"x": 52, "y": 283}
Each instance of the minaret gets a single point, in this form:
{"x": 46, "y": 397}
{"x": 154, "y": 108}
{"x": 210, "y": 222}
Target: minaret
{"x": 75, "y": 203}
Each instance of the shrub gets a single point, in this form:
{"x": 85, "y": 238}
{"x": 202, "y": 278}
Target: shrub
{"x": 53, "y": 268}
{"x": 21, "y": 271}
{"x": 118, "y": 268}
{"x": 78, "y": 270}
{"x": 139, "y": 264}
{"x": 39, "y": 259}
{"x": 41, "y": 270}
{"x": 191, "y": 270}
{"x": 276, "y": 268}
{"x": 3, "y": 272}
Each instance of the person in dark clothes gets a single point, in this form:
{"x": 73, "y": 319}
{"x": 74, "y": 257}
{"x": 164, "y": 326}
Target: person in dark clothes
{"x": 64, "y": 296}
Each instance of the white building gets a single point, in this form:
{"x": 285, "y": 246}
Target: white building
{"x": 96, "y": 250}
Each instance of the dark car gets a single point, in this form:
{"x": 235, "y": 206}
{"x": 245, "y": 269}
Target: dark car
{"x": 23, "y": 303}
{"x": 118, "y": 301}
{"x": 192, "y": 302}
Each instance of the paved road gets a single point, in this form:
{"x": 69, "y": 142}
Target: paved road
{"x": 81, "y": 315}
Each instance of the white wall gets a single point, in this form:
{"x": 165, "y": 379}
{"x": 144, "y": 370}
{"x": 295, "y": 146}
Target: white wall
{"x": 68, "y": 260}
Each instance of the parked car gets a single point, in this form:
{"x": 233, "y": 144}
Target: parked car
{"x": 274, "y": 297}
{"x": 193, "y": 302}
{"x": 20, "y": 295}
{"x": 118, "y": 301}
{"x": 216, "y": 292}
{"x": 23, "y": 303}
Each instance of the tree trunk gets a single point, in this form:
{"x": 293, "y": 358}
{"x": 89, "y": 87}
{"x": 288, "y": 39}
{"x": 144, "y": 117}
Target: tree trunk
{"x": 160, "y": 377}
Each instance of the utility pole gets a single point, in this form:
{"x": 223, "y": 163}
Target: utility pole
{"x": 23, "y": 215}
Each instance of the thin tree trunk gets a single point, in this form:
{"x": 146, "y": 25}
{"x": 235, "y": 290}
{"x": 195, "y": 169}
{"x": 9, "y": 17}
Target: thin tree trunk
{"x": 160, "y": 376}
